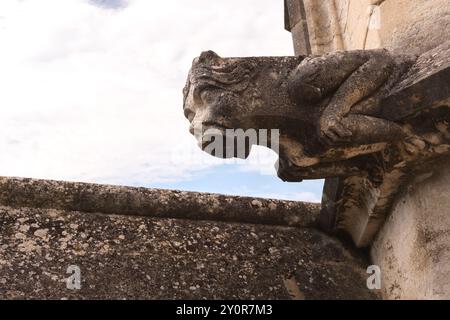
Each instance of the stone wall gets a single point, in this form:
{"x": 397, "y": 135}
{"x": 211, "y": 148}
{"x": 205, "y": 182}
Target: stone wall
{"x": 367, "y": 24}
{"x": 137, "y": 243}
{"x": 412, "y": 247}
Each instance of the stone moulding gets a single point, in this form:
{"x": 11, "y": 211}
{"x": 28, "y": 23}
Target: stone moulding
{"x": 358, "y": 205}
{"x": 120, "y": 200}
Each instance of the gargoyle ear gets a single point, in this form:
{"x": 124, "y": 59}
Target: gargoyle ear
{"x": 206, "y": 56}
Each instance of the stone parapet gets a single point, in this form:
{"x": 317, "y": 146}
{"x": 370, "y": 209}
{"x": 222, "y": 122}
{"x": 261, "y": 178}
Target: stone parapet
{"x": 51, "y": 232}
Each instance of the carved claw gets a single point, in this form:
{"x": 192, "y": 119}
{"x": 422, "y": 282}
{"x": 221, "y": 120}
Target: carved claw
{"x": 286, "y": 171}
{"x": 333, "y": 131}
{"x": 414, "y": 145}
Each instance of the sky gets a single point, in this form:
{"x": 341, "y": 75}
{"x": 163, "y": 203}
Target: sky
{"x": 91, "y": 91}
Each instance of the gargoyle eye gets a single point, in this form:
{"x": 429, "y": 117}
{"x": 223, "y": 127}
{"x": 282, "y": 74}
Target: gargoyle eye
{"x": 200, "y": 91}
{"x": 197, "y": 94}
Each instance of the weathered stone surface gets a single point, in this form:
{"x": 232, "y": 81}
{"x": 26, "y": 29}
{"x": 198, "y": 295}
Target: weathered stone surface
{"x": 323, "y": 122}
{"x": 412, "y": 26}
{"x": 359, "y": 204}
{"x": 89, "y": 197}
{"x": 412, "y": 248}
{"x": 295, "y": 22}
{"x": 136, "y": 257}
{"x": 420, "y": 101}
{"x": 330, "y": 25}
{"x": 411, "y": 267}
{"x": 426, "y": 86}
{"x": 337, "y": 117}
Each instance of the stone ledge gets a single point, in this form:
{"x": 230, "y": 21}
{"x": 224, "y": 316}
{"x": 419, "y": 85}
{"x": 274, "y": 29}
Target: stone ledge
{"x": 109, "y": 199}
{"x": 128, "y": 256}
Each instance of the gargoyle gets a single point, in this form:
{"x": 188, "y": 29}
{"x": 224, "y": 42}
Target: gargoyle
{"x": 328, "y": 108}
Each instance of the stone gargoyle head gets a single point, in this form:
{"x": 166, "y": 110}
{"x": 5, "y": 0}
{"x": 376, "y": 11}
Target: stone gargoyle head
{"x": 246, "y": 93}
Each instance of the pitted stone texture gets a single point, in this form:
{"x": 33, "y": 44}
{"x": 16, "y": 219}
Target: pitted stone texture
{"x": 412, "y": 26}
{"x": 368, "y": 117}
{"x": 89, "y": 197}
{"x": 412, "y": 249}
{"x": 130, "y": 257}
{"x": 412, "y": 254}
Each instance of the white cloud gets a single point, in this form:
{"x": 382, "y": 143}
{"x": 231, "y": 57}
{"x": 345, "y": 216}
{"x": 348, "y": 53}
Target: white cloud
{"x": 94, "y": 94}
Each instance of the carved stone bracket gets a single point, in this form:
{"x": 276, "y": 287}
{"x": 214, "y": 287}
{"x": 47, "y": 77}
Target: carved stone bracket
{"x": 357, "y": 205}
{"x": 365, "y": 120}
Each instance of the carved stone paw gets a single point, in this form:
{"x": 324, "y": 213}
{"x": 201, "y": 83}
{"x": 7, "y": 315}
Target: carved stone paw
{"x": 286, "y": 171}
{"x": 412, "y": 146}
{"x": 332, "y": 130}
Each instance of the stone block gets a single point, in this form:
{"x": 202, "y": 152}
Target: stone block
{"x": 412, "y": 248}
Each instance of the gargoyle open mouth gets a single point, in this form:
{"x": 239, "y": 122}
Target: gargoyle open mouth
{"x": 220, "y": 141}
{"x": 214, "y": 125}
{"x": 208, "y": 132}
{"x": 199, "y": 131}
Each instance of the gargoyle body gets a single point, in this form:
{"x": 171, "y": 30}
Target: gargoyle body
{"x": 327, "y": 108}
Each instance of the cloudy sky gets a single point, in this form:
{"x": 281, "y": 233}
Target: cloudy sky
{"x": 91, "y": 91}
